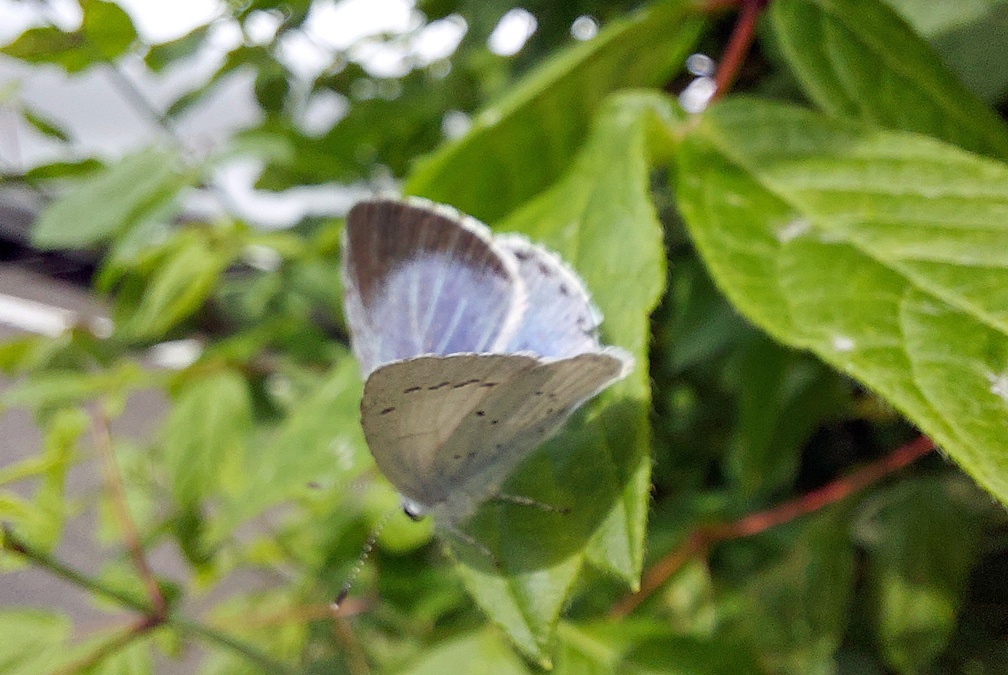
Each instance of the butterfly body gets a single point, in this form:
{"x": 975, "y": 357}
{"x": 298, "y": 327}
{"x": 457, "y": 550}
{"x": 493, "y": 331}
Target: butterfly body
{"x": 474, "y": 348}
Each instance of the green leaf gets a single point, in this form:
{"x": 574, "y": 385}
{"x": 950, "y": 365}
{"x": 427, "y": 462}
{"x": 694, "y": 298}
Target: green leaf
{"x": 783, "y": 398}
{"x": 105, "y": 34}
{"x": 44, "y": 126}
{"x": 70, "y": 169}
{"x": 205, "y": 433}
{"x": 110, "y": 202}
{"x": 881, "y": 252}
{"x": 794, "y": 611}
{"x": 182, "y": 280}
{"x": 479, "y": 652}
{"x": 522, "y": 143}
{"x": 162, "y": 55}
{"x": 33, "y": 640}
{"x": 969, "y": 36}
{"x": 860, "y": 59}
{"x": 319, "y": 442}
{"x": 51, "y": 389}
{"x": 43, "y": 526}
{"x": 644, "y": 646}
{"x": 600, "y": 220}
{"x": 922, "y": 541}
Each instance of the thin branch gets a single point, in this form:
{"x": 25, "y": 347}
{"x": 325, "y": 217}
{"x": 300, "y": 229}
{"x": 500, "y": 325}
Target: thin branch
{"x": 700, "y": 541}
{"x": 738, "y": 46}
{"x": 117, "y": 496}
{"x": 13, "y": 544}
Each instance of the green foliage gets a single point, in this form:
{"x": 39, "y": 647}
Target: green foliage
{"x": 802, "y": 283}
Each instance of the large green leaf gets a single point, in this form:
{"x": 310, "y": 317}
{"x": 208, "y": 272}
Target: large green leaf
{"x": 110, "y": 202}
{"x": 522, "y": 143}
{"x": 600, "y": 220}
{"x": 105, "y": 34}
{"x": 884, "y": 253}
{"x": 858, "y": 58}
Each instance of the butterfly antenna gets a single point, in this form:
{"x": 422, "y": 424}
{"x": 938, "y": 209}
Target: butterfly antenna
{"x": 362, "y": 558}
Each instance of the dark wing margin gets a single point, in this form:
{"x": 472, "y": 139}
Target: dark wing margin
{"x": 421, "y": 278}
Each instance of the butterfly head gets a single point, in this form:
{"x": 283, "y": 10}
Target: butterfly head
{"x": 415, "y": 511}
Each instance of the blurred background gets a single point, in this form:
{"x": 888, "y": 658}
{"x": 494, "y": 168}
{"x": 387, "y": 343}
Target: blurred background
{"x": 213, "y": 148}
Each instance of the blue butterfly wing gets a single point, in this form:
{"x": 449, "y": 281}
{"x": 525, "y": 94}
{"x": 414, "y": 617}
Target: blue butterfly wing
{"x": 559, "y": 319}
{"x": 421, "y": 279}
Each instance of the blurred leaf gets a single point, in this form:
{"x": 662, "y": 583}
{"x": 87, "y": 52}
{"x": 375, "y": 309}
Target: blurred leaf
{"x": 110, "y": 202}
{"x": 481, "y": 652}
{"x": 70, "y": 169}
{"x": 526, "y": 140}
{"x": 44, "y": 526}
{"x": 783, "y": 398}
{"x": 320, "y": 442}
{"x": 794, "y": 611}
{"x": 53, "y": 389}
{"x": 880, "y": 252}
{"x": 284, "y": 640}
{"x": 165, "y": 54}
{"x": 206, "y": 431}
{"x": 44, "y": 126}
{"x": 184, "y": 276}
{"x": 105, "y": 34}
{"x": 642, "y": 647}
{"x": 592, "y": 218}
{"x": 921, "y": 544}
{"x": 33, "y": 640}
{"x": 969, "y": 36}
{"x": 860, "y": 59}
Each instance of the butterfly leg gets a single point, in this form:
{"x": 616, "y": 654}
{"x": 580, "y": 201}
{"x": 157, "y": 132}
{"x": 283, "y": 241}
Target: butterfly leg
{"x": 519, "y": 500}
{"x": 472, "y": 542}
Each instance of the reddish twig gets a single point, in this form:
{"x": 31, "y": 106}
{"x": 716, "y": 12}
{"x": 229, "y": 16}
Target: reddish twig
{"x": 117, "y": 496}
{"x": 700, "y": 541}
{"x": 738, "y": 46}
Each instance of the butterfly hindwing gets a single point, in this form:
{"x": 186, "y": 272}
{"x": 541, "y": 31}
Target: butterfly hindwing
{"x": 422, "y": 279}
{"x": 512, "y": 420}
{"x": 560, "y": 319}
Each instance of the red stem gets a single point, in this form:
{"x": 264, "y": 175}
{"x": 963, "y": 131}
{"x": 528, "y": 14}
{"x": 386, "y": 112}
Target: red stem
{"x": 738, "y": 46}
{"x": 700, "y": 541}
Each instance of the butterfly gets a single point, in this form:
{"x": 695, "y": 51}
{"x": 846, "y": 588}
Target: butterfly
{"x": 474, "y": 348}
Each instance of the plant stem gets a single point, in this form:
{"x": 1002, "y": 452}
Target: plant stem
{"x": 150, "y": 619}
{"x": 738, "y": 46}
{"x": 12, "y": 543}
{"x": 702, "y": 538}
{"x": 117, "y": 495}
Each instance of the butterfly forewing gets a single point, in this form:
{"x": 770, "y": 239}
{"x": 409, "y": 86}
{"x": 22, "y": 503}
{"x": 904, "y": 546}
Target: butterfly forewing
{"x": 421, "y": 279}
